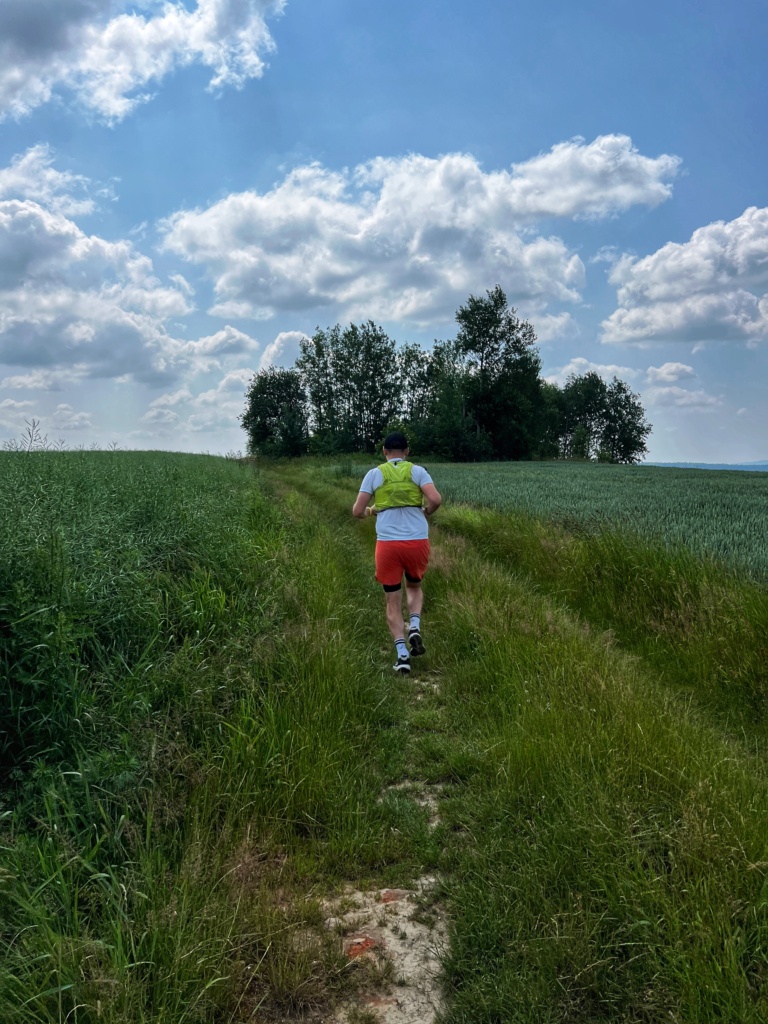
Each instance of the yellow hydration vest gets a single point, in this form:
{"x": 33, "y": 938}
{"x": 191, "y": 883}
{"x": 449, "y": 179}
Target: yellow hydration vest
{"x": 398, "y": 490}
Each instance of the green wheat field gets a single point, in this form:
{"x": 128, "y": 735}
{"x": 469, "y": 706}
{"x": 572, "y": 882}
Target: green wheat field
{"x": 202, "y": 739}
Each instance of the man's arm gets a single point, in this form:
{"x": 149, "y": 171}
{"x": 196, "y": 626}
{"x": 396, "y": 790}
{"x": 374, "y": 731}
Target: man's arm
{"x": 434, "y": 501}
{"x": 360, "y": 506}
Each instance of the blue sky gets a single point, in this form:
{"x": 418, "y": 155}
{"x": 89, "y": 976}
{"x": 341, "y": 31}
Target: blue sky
{"x": 188, "y": 188}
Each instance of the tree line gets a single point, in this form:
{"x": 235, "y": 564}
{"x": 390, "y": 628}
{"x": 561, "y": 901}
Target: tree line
{"x": 478, "y": 396}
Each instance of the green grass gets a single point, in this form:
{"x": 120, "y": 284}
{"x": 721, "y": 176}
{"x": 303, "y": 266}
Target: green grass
{"x": 187, "y": 763}
{"x": 201, "y": 723}
{"x": 605, "y": 853}
{"x": 709, "y": 512}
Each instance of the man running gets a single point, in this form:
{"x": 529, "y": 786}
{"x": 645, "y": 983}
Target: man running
{"x": 402, "y": 531}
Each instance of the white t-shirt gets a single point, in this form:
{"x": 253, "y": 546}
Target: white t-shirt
{"x": 406, "y": 523}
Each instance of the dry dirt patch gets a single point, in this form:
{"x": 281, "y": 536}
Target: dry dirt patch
{"x": 402, "y": 933}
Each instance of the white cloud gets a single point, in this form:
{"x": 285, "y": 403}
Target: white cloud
{"x": 209, "y": 410}
{"x": 226, "y": 397}
{"x": 668, "y": 373}
{"x": 160, "y": 417}
{"x": 550, "y": 326}
{"x": 713, "y": 287}
{"x": 409, "y": 238}
{"x": 579, "y": 366}
{"x": 44, "y": 380}
{"x": 9, "y": 405}
{"x": 607, "y": 254}
{"x": 227, "y": 340}
{"x": 109, "y": 54}
{"x": 14, "y": 414}
{"x": 173, "y": 398}
{"x": 65, "y": 418}
{"x": 31, "y": 175}
{"x": 680, "y": 398}
{"x": 284, "y": 350}
{"x": 596, "y": 180}
{"x": 77, "y": 303}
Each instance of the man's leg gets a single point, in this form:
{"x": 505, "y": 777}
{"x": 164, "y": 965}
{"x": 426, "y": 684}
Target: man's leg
{"x": 397, "y": 628}
{"x": 414, "y": 597}
{"x": 395, "y": 619}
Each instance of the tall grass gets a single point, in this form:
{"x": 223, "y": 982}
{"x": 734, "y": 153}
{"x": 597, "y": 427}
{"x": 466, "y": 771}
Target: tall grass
{"x": 604, "y": 851}
{"x": 613, "y": 862}
{"x": 201, "y": 724}
{"x": 185, "y": 759}
{"x": 701, "y": 626}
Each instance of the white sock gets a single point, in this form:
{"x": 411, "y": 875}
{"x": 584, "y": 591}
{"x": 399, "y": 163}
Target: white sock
{"x": 402, "y": 650}
{"x": 416, "y": 623}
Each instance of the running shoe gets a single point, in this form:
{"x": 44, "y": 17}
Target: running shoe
{"x": 402, "y": 665}
{"x": 417, "y": 644}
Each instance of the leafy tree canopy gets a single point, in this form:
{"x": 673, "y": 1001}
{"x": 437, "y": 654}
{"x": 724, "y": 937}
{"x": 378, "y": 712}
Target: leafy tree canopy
{"x": 478, "y": 396}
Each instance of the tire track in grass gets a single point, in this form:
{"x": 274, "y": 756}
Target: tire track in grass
{"x": 604, "y": 854}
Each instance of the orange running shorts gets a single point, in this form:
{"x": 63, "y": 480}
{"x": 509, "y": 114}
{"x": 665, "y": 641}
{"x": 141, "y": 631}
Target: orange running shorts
{"x": 397, "y": 557}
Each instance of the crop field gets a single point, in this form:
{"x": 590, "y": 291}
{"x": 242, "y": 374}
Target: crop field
{"x": 711, "y": 512}
{"x": 203, "y": 747}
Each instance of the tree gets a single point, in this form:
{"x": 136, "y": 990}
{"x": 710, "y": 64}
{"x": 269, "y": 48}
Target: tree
{"x": 549, "y": 420}
{"x": 584, "y": 409}
{"x": 602, "y": 421}
{"x": 315, "y": 366}
{"x": 414, "y": 382}
{"x": 448, "y": 429}
{"x": 503, "y": 386}
{"x": 275, "y": 417}
{"x": 351, "y": 379}
{"x": 626, "y": 428}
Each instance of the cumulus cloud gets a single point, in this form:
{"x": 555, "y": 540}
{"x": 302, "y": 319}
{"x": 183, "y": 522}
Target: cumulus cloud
{"x": 223, "y": 395}
{"x": 13, "y": 414}
{"x": 597, "y": 180}
{"x": 161, "y": 417}
{"x": 681, "y": 398}
{"x": 31, "y": 175}
{"x": 109, "y": 54}
{"x": 207, "y": 410}
{"x": 408, "y": 238}
{"x": 579, "y": 366}
{"x": 711, "y": 288}
{"x": 77, "y": 303}
{"x": 65, "y": 418}
{"x": 284, "y": 350}
{"x": 172, "y": 398}
{"x": 44, "y": 380}
{"x": 550, "y": 326}
{"x": 228, "y": 340}
{"x": 668, "y": 373}
{"x": 10, "y": 405}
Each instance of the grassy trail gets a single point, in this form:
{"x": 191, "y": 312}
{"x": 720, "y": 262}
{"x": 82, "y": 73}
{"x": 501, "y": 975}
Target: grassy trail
{"x": 603, "y": 849}
{"x": 226, "y": 744}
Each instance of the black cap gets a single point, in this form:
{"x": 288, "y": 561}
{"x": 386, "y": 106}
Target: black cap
{"x": 396, "y": 441}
